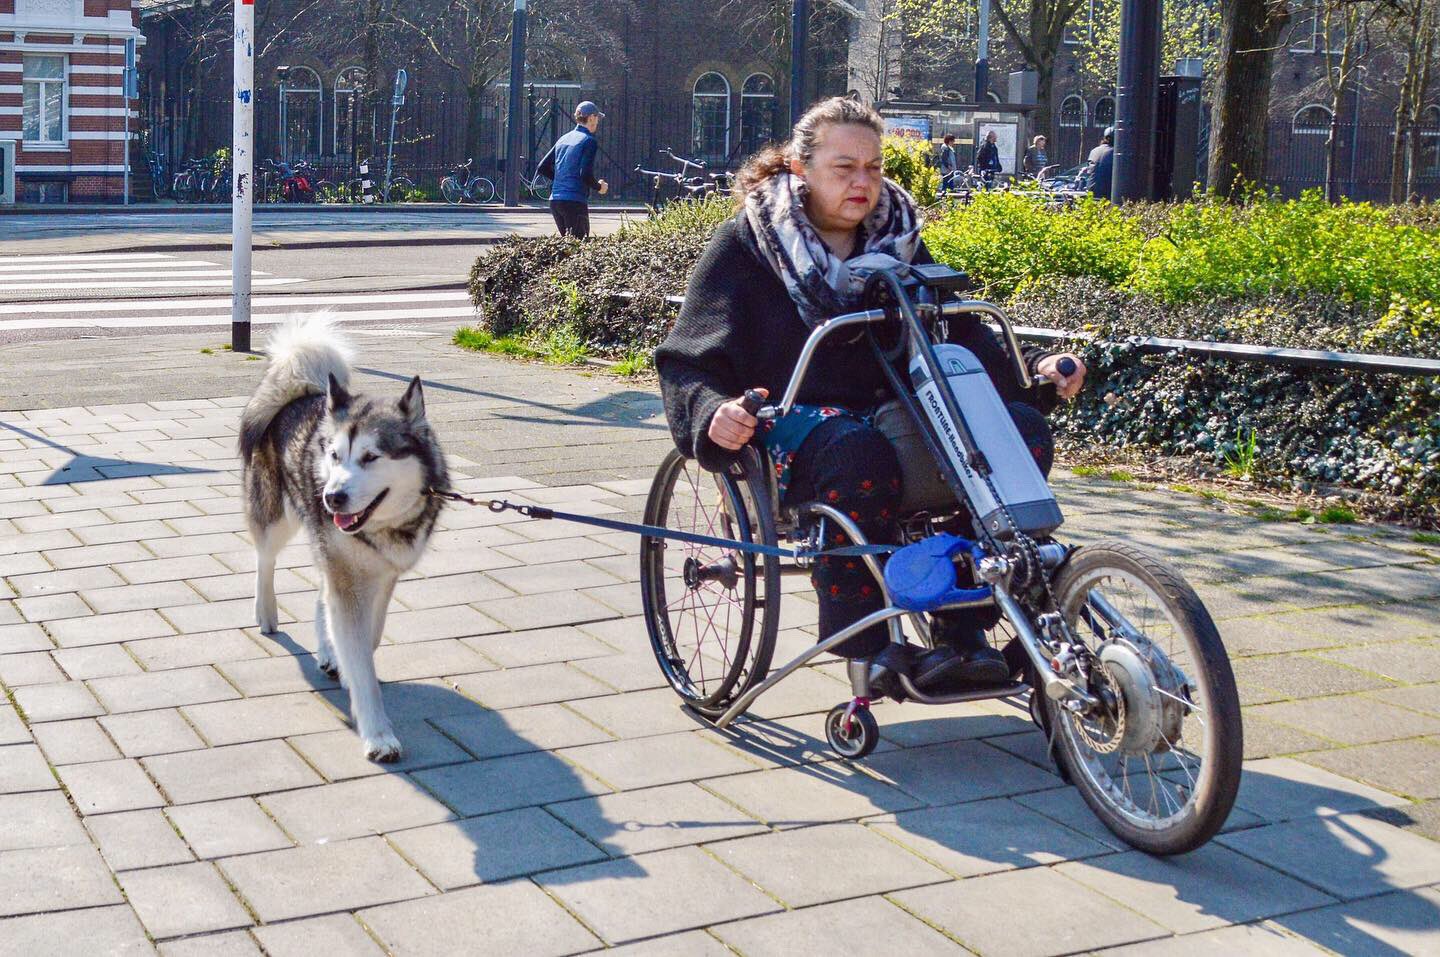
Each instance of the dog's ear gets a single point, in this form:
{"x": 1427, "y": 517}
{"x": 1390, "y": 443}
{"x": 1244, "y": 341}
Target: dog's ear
{"x": 338, "y": 402}
{"x": 412, "y": 403}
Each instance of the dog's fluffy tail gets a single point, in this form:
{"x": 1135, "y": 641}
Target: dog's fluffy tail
{"x": 305, "y": 350}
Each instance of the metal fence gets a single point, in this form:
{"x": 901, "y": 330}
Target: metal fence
{"x": 1297, "y": 160}
{"x": 437, "y": 129}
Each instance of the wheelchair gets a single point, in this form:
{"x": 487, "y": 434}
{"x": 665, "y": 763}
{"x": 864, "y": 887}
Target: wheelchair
{"x": 1125, "y": 670}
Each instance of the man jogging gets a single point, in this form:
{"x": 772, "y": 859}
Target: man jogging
{"x": 570, "y": 164}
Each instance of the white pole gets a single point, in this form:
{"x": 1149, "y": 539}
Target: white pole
{"x": 242, "y": 164}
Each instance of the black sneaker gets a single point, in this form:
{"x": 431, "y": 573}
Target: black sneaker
{"x": 980, "y": 664}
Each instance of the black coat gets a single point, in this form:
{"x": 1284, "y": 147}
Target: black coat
{"x": 738, "y": 329}
{"x": 987, "y": 158}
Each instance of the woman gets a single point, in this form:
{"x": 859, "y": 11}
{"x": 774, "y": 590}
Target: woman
{"x": 1035, "y": 157}
{"x": 817, "y": 216}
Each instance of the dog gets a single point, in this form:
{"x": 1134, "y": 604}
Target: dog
{"x": 358, "y": 474}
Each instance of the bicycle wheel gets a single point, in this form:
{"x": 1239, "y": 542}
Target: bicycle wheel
{"x": 701, "y": 601}
{"x": 482, "y": 190}
{"x": 451, "y": 189}
{"x": 540, "y": 187}
{"x": 327, "y": 192}
{"x": 1159, "y": 761}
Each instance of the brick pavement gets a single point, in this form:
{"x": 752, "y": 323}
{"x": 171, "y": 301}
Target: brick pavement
{"x": 172, "y": 780}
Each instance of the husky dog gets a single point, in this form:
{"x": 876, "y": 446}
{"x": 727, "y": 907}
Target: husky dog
{"x": 356, "y": 472}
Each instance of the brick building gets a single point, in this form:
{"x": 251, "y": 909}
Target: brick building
{"x": 62, "y": 98}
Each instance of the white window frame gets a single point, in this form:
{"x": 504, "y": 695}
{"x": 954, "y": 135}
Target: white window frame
{"x": 1430, "y": 136}
{"x": 695, "y": 95}
{"x": 64, "y": 83}
{"x": 744, "y": 95}
{"x": 343, "y": 87}
{"x": 319, "y": 90}
{"x": 1295, "y": 126}
{"x": 1075, "y": 35}
{"x": 1095, "y": 113}
{"x": 1084, "y": 113}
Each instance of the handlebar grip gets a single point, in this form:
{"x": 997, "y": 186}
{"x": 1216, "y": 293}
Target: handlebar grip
{"x": 1067, "y": 367}
{"x": 752, "y": 401}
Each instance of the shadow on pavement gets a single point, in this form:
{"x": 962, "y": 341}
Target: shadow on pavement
{"x": 90, "y": 468}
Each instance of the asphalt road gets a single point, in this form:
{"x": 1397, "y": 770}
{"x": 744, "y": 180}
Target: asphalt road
{"x": 124, "y": 274}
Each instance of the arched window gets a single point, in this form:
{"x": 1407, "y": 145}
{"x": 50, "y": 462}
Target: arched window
{"x": 1072, "y": 111}
{"x": 349, "y": 100}
{"x": 1430, "y": 141}
{"x": 757, "y": 112}
{"x": 1311, "y": 120}
{"x": 1104, "y": 113}
{"x": 710, "y": 118}
{"x": 302, "y": 118}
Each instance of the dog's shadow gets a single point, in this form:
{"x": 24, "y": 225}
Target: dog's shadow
{"x": 496, "y": 782}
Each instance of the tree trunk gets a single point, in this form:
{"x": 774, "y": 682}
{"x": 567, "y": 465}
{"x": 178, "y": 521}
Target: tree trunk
{"x": 1249, "y": 33}
{"x": 1043, "y": 118}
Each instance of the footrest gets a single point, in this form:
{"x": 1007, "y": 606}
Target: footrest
{"x": 921, "y": 577}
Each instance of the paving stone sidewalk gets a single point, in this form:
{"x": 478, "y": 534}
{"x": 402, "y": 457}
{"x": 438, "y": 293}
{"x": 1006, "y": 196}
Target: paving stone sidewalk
{"x": 172, "y": 780}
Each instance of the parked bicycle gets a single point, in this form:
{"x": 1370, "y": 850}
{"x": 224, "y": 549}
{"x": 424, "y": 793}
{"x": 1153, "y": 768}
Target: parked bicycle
{"x": 686, "y": 187}
{"x": 463, "y": 185}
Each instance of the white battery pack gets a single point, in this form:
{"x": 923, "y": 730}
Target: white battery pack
{"x": 1022, "y": 488}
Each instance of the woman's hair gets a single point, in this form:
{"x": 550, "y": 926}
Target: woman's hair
{"x": 1037, "y": 139}
{"x": 775, "y": 158}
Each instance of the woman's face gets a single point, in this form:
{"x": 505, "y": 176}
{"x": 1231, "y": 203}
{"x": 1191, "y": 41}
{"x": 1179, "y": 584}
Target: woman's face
{"x": 844, "y": 176}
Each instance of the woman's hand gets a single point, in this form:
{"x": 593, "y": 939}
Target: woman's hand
{"x": 1067, "y": 387}
{"x": 732, "y": 426}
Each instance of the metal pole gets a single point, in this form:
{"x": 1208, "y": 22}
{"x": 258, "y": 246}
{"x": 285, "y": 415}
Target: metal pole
{"x": 514, "y": 141}
{"x": 242, "y": 168}
{"x": 126, "y": 147}
{"x": 799, "y": 35}
{"x": 982, "y": 53}
{"x": 1135, "y": 97}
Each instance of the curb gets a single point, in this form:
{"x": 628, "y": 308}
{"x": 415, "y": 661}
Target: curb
{"x": 218, "y": 247}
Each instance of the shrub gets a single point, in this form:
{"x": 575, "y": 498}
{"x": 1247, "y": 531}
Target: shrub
{"x": 907, "y": 162}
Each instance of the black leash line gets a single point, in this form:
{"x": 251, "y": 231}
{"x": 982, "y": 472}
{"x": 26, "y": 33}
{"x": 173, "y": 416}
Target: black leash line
{"x": 655, "y": 531}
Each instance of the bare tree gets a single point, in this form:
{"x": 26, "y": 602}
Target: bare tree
{"x": 1345, "y": 23}
{"x": 1250, "y": 31}
{"x": 1413, "y": 26}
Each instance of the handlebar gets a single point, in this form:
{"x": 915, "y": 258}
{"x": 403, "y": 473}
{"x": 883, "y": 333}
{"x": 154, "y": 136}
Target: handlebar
{"x": 864, "y": 317}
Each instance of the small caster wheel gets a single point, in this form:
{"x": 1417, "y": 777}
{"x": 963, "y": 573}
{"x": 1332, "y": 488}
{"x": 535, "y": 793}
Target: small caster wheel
{"x": 855, "y": 738}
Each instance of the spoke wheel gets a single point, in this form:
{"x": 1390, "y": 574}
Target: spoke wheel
{"x": 482, "y": 190}
{"x": 1159, "y": 761}
{"x": 712, "y": 612}
{"x": 451, "y": 190}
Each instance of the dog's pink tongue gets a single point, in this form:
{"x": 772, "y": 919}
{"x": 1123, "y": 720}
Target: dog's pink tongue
{"x": 343, "y": 521}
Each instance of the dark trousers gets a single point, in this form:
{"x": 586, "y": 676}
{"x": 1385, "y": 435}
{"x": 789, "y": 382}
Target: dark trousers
{"x": 851, "y": 466}
{"x": 572, "y": 217}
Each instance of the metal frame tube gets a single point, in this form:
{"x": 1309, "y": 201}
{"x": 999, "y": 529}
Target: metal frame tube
{"x": 745, "y": 700}
{"x": 848, "y": 526}
{"x": 802, "y": 365}
{"x": 1056, "y": 687}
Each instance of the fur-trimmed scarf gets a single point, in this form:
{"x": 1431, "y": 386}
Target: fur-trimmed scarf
{"x": 822, "y": 284}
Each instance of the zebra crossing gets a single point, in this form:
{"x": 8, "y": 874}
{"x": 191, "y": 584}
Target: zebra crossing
{"x": 160, "y": 291}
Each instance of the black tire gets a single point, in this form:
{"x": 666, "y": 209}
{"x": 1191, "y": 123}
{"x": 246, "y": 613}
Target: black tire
{"x": 327, "y": 192}
{"x": 676, "y": 576}
{"x": 482, "y": 190}
{"x": 1189, "y": 800}
{"x": 859, "y": 739}
{"x": 453, "y": 192}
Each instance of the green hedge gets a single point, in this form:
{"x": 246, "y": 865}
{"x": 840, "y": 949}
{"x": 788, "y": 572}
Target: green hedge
{"x": 1295, "y": 273}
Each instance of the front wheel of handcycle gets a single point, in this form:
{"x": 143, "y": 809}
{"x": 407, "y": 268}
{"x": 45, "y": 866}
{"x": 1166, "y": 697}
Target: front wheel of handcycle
{"x": 712, "y": 612}
{"x": 1158, "y": 759}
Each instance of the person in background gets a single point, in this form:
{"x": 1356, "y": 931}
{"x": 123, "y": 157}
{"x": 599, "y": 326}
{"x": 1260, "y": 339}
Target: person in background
{"x": 1102, "y": 165}
{"x": 1035, "y": 157}
{"x": 987, "y": 158}
{"x": 570, "y": 165}
{"x": 949, "y": 164}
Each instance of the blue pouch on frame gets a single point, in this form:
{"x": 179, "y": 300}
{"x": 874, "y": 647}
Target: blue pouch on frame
{"x": 921, "y": 577}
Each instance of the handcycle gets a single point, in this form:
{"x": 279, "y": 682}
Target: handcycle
{"x": 1125, "y": 671}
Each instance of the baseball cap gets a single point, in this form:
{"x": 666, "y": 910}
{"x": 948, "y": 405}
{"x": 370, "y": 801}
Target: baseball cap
{"x": 588, "y": 108}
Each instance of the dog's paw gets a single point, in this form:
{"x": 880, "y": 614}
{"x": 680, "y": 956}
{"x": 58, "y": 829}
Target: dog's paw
{"x": 327, "y": 666}
{"x": 383, "y": 747}
{"x": 267, "y": 618}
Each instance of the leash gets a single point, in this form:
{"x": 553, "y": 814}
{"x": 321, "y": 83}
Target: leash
{"x": 498, "y": 505}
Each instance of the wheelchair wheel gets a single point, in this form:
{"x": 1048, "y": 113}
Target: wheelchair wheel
{"x": 1159, "y": 761}
{"x": 712, "y": 612}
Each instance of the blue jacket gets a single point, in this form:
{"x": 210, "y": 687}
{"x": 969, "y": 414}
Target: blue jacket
{"x": 573, "y": 161}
